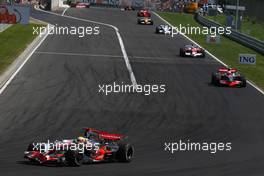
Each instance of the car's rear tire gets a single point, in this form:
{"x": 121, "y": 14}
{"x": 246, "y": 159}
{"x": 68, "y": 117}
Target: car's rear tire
{"x": 73, "y": 158}
{"x": 125, "y": 152}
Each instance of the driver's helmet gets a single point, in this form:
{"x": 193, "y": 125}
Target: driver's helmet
{"x": 229, "y": 72}
{"x": 81, "y": 139}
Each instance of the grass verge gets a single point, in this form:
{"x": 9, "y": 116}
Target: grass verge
{"x": 13, "y": 41}
{"x": 227, "y": 50}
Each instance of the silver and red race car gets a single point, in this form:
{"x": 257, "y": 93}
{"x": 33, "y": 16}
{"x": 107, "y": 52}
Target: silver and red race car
{"x": 229, "y": 77}
{"x": 93, "y": 146}
{"x": 192, "y": 51}
{"x": 163, "y": 29}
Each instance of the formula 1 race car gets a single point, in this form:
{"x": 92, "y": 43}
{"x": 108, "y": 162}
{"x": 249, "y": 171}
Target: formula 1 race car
{"x": 163, "y": 29}
{"x": 228, "y": 77}
{"x": 143, "y": 13}
{"x": 80, "y": 4}
{"x": 145, "y": 20}
{"x": 94, "y": 146}
{"x": 129, "y": 8}
{"x": 192, "y": 50}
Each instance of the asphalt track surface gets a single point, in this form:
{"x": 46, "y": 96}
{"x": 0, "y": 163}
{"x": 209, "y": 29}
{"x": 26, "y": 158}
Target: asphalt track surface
{"x": 56, "y": 94}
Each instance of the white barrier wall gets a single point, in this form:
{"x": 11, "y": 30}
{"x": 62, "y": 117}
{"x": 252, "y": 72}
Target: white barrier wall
{"x": 62, "y": 3}
{"x": 56, "y": 4}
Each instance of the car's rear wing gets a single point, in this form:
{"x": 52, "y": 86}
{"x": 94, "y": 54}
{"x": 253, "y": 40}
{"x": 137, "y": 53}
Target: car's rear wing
{"x": 106, "y": 135}
{"x": 224, "y": 69}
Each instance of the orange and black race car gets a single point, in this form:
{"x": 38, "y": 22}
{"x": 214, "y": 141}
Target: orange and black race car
{"x": 145, "y": 20}
{"x": 93, "y": 146}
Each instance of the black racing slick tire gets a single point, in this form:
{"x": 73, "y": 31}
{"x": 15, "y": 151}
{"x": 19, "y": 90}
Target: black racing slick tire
{"x": 33, "y": 147}
{"x": 203, "y": 54}
{"x": 125, "y": 152}
{"x": 182, "y": 53}
{"x": 73, "y": 158}
{"x": 30, "y": 147}
{"x": 244, "y": 82}
{"x": 214, "y": 80}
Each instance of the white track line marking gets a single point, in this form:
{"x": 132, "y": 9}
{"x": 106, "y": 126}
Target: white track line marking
{"x": 21, "y": 66}
{"x": 64, "y": 11}
{"x": 251, "y": 83}
{"x": 35, "y": 19}
{"x": 129, "y": 68}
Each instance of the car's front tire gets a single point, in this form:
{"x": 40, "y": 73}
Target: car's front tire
{"x": 214, "y": 80}
{"x": 244, "y": 82}
{"x": 182, "y": 53}
{"x": 203, "y": 54}
{"x": 30, "y": 147}
{"x": 125, "y": 152}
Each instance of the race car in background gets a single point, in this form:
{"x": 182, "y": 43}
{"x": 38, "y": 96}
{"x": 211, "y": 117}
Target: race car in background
{"x": 229, "y": 77}
{"x": 106, "y": 147}
{"x": 143, "y": 13}
{"x": 80, "y": 4}
{"x": 163, "y": 29}
{"x": 145, "y": 20}
{"x": 129, "y": 8}
{"x": 192, "y": 51}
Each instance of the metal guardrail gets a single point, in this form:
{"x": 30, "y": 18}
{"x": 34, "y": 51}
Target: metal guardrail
{"x": 243, "y": 39}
